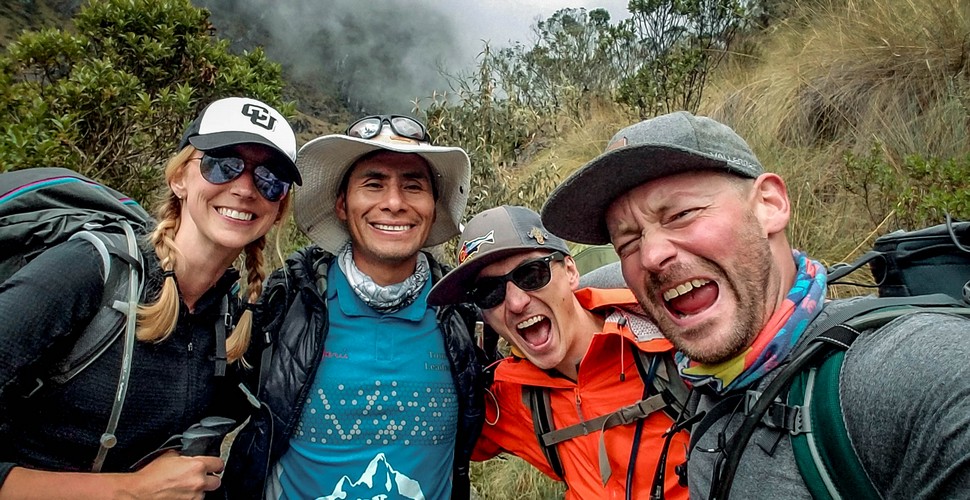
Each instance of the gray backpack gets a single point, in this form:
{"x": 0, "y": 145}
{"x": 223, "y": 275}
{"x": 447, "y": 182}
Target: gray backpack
{"x": 43, "y": 207}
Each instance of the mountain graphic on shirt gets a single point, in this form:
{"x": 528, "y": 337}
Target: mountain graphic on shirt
{"x": 378, "y": 482}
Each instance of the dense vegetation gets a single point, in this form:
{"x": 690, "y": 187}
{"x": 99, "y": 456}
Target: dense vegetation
{"x": 523, "y": 98}
{"x": 862, "y": 105}
{"x": 110, "y": 98}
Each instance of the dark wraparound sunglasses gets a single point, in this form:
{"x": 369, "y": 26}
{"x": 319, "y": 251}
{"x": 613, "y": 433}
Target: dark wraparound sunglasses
{"x": 223, "y": 169}
{"x": 529, "y": 276}
{"x": 404, "y": 126}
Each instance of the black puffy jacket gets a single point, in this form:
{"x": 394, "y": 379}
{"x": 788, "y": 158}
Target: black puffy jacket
{"x": 293, "y": 313}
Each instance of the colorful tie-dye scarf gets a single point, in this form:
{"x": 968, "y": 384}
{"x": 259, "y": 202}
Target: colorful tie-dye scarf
{"x": 776, "y": 339}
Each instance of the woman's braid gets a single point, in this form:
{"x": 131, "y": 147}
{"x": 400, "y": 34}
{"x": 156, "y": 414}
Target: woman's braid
{"x": 238, "y": 342}
{"x": 157, "y": 320}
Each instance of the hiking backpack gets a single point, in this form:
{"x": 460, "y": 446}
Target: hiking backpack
{"x": 803, "y": 399}
{"x": 43, "y": 207}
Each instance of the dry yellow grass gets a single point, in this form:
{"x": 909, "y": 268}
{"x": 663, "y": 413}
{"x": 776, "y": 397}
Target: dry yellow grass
{"x": 839, "y": 77}
{"x": 508, "y": 477}
{"x": 836, "y": 77}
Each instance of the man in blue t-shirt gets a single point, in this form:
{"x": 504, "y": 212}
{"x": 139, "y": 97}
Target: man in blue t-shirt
{"x": 372, "y": 393}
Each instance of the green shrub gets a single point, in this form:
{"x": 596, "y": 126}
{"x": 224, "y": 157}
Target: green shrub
{"x": 677, "y": 44}
{"x": 916, "y": 191}
{"x": 110, "y": 98}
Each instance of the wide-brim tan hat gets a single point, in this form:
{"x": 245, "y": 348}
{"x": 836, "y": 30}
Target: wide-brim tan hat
{"x": 324, "y": 161}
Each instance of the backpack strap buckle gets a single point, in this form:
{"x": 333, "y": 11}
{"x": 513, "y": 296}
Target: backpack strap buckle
{"x": 793, "y": 419}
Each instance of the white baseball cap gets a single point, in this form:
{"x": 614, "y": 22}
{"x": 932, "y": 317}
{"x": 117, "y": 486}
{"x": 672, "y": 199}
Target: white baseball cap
{"x": 240, "y": 120}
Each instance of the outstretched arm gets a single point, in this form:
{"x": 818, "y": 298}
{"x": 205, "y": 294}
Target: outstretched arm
{"x": 906, "y": 402}
{"x": 170, "y": 476}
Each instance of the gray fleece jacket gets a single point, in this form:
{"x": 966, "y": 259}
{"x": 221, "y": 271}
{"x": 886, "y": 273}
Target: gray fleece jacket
{"x": 905, "y": 394}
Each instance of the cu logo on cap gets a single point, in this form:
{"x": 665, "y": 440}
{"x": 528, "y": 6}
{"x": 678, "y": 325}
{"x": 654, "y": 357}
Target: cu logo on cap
{"x": 259, "y": 116}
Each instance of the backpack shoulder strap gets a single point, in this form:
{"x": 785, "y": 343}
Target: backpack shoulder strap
{"x": 825, "y": 457}
{"x": 665, "y": 381}
{"x": 834, "y": 333}
{"x": 129, "y": 306}
{"x": 537, "y": 400}
{"x": 824, "y": 453}
{"x": 813, "y": 345}
{"x": 110, "y": 321}
{"x": 659, "y": 374}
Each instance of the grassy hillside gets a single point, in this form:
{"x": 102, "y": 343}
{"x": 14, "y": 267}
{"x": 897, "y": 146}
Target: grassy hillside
{"x": 841, "y": 78}
{"x": 880, "y": 81}
{"x": 838, "y": 98}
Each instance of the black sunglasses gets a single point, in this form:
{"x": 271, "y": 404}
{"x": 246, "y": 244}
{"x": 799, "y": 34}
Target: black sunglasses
{"x": 404, "y": 126}
{"x": 530, "y": 275}
{"x": 223, "y": 169}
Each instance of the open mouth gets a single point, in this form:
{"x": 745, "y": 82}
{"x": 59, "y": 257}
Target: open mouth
{"x": 690, "y": 297}
{"x": 535, "y": 331}
{"x": 235, "y": 214}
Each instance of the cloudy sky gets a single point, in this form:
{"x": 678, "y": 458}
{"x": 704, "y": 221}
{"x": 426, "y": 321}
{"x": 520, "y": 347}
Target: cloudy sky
{"x": 380, "y": 55}
{"x": 502, "y": 20}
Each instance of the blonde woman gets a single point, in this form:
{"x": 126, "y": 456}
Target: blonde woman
{"x": 228, "y": 186}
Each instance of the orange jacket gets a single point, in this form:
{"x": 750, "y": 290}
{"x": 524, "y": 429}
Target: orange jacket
{"x": 600, "y": 390}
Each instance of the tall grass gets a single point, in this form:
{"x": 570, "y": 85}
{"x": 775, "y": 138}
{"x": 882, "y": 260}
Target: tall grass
{"x": 847, "y": 80}
{"x": 846, "y": 100}
{"x": 507, "y": 477}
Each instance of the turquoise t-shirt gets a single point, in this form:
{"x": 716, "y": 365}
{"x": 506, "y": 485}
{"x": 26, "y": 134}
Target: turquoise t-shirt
{"x": 381, "y": 416}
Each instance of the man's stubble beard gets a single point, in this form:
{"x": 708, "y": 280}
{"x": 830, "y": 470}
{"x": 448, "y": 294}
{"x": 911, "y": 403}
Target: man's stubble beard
{"x": 749, "y": 282}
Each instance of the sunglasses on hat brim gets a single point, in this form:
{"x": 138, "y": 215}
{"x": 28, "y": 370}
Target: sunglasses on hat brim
{"x": 369, "y": 127}
{"x": 220, "y": 168}
{"x": 529, "y": 276}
